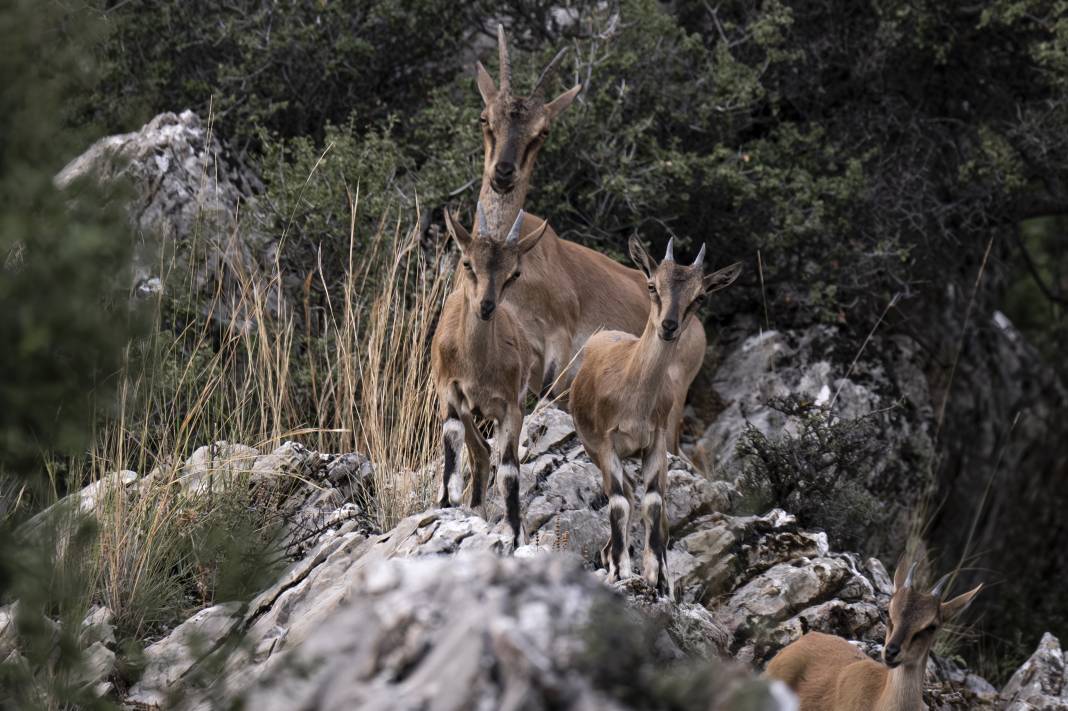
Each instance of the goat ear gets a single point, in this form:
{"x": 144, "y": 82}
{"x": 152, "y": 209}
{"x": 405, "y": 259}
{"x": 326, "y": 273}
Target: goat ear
{"x": 556, "y": 107}
{"x": 640, "y": 257}
{"x": 531, "y": 240}
{"x": 722, "y": 278}
{"x": 959, "y": 604}
{"x": 457, "y": 231}
{"x": 486, "y": 87}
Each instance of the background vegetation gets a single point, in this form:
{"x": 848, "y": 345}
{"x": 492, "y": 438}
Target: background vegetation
{"x": 862, "y": 152}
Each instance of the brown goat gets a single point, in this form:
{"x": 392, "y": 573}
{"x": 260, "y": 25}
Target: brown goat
{"x": 622, "y": 400}
{"x": 568, "y": 292}
{"x": 481, "y": 363}
{"x": 830, "y": 674}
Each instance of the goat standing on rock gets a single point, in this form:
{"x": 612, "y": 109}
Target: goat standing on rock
{"x": 622, "y": 400}
{"x": 481, "y": 362}
{"x": 830, "y": 674}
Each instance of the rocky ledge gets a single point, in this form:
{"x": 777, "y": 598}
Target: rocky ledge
{"x": 439, "y": 612}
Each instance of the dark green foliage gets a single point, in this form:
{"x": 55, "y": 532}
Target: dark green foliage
{"x": 840, "y": 141}
{"x": 63, "y": 320}
{"x": 816, "y": 473}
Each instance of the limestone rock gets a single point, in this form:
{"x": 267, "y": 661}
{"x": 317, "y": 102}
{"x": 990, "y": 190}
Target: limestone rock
{"x": 1041, "y": 683}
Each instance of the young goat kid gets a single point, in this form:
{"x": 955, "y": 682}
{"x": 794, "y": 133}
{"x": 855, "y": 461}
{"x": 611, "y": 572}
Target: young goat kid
{"x": 481, "y": 362}
{"x": 830, "y": 674}
{"x": 623, "y": 396}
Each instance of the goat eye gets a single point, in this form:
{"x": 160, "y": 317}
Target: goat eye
{"x": 483, "y": 120}
{"x": 652, "y": 287}
{"x": 467, "y": 265}
{"x": 515, "y": 274}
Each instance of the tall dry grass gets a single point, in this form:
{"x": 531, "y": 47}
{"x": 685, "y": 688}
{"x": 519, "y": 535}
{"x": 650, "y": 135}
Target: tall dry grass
{"x": 239, "y": 366}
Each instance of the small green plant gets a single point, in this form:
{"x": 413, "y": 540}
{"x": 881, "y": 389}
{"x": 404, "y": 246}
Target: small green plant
{"x": 815, "y": 470}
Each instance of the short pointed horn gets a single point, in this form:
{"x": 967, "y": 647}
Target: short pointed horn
{"x": 547, "y": 74}
{"x": 506, "y": 63}
{"x": 669, "y": 256}
{"x": 513, "y": 234}
{"x": 939, "y": 588}
{"x": 700, "y": 257}
{"x": 483, "y": 223}
{"x": 908, "y": 578}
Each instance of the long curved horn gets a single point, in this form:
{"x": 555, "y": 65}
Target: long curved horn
{"x": 547, "y": 74}
{"x": 483, "y": 223}
{"x": 700, "y": 257}
{"x": 939, "y": 588}
{"x": 908, "y": 578}
{"x": 506, "y": 63}
{"x": 513, "y": 234}
{"x": 669, "y": 256}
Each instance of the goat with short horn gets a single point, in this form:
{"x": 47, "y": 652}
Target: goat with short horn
{"x": 622, "y": 399}
{"x": 481, "y": 364}
{"x": 830, "y": 674}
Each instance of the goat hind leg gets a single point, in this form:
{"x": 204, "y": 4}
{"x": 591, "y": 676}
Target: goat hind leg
{"x": 452, "y": 432}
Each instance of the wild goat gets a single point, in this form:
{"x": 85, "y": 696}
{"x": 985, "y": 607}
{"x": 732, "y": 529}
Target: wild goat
{"x": 830, "y": 674}
{"x": 568, "y": 292}
{"x": 622, "y": 399}
{"x": 481, "y": 362}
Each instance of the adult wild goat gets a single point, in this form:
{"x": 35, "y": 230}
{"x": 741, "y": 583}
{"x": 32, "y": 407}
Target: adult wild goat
{"x": 830, "y": 674}
{"x": 568, "y": 292}
{"x": 481, "y": 361}
{"x": 622, "y": 399}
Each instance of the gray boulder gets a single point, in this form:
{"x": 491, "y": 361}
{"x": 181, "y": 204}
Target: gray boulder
{"x": 186, "y": 197}
{"x": 1041, "y": 683}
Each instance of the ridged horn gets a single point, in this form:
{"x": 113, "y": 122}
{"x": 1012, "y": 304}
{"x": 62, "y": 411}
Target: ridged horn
{"x": 908, "y": 578}
{"x": 506, "y": 63}
{"x": 513, "y": 234}
{"x": 547, "y": 74}
{"x": 669, "y": 256}
{"x": 939, "y": 588}
{"x": 700, "y": 258}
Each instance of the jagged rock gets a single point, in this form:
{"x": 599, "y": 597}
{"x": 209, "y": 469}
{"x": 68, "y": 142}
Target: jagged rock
{"x": 215, "y": 467}
{"x": 97, "y": 664}
{"x": 97, "y": 626}
{"x": 185, "y": 189}
{"x": 171, "y": 657}
{"x": 1041, "y": 683}
{"x": 886, "y": 382}
{"x": 62, "y": 515}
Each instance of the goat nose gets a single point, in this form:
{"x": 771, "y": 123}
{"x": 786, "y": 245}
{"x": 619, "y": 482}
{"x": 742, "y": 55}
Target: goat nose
{"x": 891, "y": 651}
{"x": 505, "y": 170}
{"x": 669, "y": 325}
{"x": 486, "y": 308}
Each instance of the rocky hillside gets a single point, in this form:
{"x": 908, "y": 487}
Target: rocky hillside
{"x": 438, "y": 612}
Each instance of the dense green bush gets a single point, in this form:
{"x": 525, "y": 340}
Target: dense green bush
{"x": 815, "y": 472}
{"x": 864, "y": 151}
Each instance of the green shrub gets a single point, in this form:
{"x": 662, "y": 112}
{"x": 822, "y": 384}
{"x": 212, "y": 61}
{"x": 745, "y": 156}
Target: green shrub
{"x": 815, "y": 470}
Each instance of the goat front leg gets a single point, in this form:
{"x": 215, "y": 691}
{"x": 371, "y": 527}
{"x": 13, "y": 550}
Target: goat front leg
{"x": 475, "y": 492}
{"x": 615, "y": 556}
{"x": 452, "y": 432}
{"x": 654, "y": 474}
{"x": 508, "y": 470}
